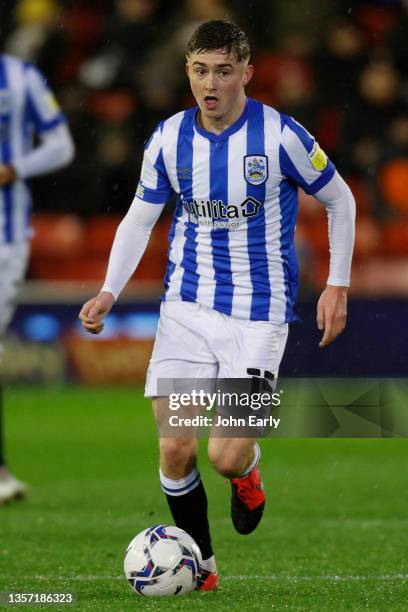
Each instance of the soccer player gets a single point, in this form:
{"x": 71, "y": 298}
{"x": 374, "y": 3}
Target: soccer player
{"x": 27, "y": 108}
{"x": 231, "y": 281}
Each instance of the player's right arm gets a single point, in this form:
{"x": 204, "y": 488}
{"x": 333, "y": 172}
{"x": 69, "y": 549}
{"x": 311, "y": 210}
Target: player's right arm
{"x": 130, "y": 242}
{"x": 306, "y": 164}
{"x": 132, "y": 235}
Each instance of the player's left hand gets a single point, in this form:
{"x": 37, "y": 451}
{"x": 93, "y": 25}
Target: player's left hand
{"x": 95, "y": 310}
{"x": 332, "y": 313}
{"x": 7, "y": 175}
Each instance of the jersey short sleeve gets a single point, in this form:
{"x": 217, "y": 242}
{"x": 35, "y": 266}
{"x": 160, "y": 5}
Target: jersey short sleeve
{"x": 43, "y": 109}
{"x": 301, "y": 158}
{"x": 154, "y": 185}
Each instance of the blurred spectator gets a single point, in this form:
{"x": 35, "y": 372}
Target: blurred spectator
{"x": 393, "y": 168}
{"x": 164, "y": 81}
{"x": 118, "y": 163}
{"x": 36, "y": 20}
{"x": 397, "y": 136}
{"x": 285, "y": 79}
{"x": 397, "y": 40}
{"x": 368, "y": 117}
{"x": 339, "y": 61}
{"x": 258, "y": 18}
{"x": 311, "y": 17}
{"x": 129, "y": 34}
{"x": 55, "y": 36}
{"x": 376, "y": 18}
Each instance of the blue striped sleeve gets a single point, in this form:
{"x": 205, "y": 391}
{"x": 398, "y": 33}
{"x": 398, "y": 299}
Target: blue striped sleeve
{"x": 42, "y": 107}
{"x": 301, "y": 159}
{"x": 154, "y": 185}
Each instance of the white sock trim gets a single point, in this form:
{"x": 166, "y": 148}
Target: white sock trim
{"x": 209, "y": 564}
{"x": 182, "y": 485}
{"x": 255, "y": 460}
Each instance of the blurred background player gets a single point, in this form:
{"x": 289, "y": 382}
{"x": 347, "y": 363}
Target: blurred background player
{"x": 232, "y": 277}
{"x": 28, "y": 109}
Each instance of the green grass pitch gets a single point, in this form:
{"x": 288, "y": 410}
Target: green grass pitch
{"x": 334, "y": 536}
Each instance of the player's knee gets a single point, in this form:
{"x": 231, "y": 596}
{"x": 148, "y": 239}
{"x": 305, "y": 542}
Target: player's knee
{"x": 229, "y": 461}
{"x": 178, "y": 456}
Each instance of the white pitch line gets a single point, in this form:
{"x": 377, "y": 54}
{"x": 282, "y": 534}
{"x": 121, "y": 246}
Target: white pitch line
{"x": 366, "y": 523}
{"x": 336, "y": 523}
{"x": 267, "y": 578}
{"x": 334, "y": 578}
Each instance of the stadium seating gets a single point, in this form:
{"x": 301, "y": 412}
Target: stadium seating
{"x": 65, "y": 247}
{"x": 393, "y": 181}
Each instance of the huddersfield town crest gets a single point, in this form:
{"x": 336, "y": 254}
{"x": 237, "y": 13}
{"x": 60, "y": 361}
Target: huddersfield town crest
{"x": 255, "y": 169}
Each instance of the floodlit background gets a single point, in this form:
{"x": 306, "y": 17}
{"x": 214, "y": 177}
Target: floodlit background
{"x": 117, "y": 68}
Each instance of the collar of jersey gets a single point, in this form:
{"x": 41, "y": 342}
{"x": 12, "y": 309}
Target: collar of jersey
{"x": 237, "y": 125}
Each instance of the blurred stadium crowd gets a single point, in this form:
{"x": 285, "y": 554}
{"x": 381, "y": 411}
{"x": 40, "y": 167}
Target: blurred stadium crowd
{"x": 117, "y": 68}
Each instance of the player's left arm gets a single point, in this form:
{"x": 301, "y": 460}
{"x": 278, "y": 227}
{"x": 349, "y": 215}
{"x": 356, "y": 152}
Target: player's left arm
{"x": 304, "y": 162}
{"x": 341, "y": 210}
{"x": 56, "y": 148}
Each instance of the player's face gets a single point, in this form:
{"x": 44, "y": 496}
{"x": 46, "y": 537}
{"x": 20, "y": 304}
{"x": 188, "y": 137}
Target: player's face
{"x": 217, "y": 81}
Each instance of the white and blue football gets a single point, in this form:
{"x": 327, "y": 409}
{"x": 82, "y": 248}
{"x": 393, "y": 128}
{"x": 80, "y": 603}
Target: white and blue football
{"x": 162, "y": 560}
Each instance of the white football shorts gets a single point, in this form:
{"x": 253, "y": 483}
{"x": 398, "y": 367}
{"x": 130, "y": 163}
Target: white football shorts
{"x": 196, "y": 342}
{"x": 13, "y": 265}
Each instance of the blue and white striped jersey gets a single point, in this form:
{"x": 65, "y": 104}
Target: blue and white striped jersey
{"x": 27, "y": 106}
{"x": 232, "y": 236}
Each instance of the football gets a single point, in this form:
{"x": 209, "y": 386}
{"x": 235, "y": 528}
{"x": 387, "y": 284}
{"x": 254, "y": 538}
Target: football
{"x": 162, "y": 560}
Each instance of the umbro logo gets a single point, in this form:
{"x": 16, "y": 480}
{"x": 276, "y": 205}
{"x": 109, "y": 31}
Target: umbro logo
{"x": 184, "y": 170}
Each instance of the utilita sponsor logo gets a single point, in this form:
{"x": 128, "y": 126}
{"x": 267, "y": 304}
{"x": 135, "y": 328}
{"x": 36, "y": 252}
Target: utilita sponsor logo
{"x": 216, "y": 211}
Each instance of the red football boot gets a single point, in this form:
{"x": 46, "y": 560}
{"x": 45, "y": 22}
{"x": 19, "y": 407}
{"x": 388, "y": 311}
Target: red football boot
{"x": 208, "y": 581}
{"x": 247, "y": 501}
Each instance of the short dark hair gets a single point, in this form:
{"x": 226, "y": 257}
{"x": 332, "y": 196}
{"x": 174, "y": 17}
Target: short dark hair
{"x": 219, "y": 34}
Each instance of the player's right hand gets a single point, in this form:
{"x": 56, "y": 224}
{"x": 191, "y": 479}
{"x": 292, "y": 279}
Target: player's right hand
{"x": 95, "y": 310}
{"x": 7, "y": 175}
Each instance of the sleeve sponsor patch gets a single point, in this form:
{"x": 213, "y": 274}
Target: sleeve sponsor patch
{"x": 318, "y": 158}
{"x": 140, "y": 191}
{"x": 52, "y": 102}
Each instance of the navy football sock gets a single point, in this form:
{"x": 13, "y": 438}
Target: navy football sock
{"x": 188, "y": 506}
